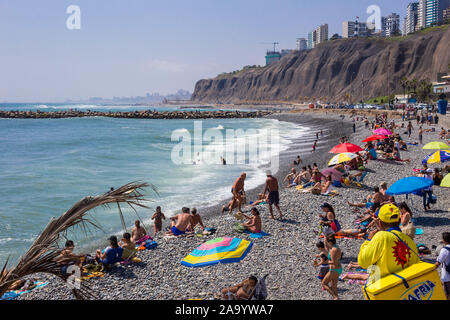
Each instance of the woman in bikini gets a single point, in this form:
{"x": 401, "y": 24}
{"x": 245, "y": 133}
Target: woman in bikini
{"x": 330, "y": 282}
{"x": 158, "y": 216}
{"x": 254, "y": 223}
{"x": 242, "y": 291}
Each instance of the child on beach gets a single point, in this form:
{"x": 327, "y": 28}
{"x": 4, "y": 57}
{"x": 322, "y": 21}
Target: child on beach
{"x": 323, "y": 262}
{"x": 330, "y": 282}
{"x": 158, "y": 216}
{"x": 444, "y": 260}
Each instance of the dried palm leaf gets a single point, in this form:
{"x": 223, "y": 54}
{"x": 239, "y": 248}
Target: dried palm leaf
{"x": 44, "y": 254}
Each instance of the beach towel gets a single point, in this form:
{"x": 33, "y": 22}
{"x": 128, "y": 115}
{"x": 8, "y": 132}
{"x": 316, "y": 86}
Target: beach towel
{"x": 148, "y": 245}
{"x": 143, "y": 239}
{"x": 257, "y": 235}
{"x": 419, "y": 231}
{"x": 11, "y": 295}
{"x": 346, "y": 237}
{"x": 92, "y": 271}
{"x": 132, "y": 260}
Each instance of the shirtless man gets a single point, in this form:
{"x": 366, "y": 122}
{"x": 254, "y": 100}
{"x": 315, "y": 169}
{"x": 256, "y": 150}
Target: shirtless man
{"x": 303, "y": 177}
{"x": 274, "y": 196}
{"x": 238, "y": 190}
{"x": 290, "y": 178}
{"x": 180, "y": 222}
{"x": 195, "y": 220}
{"x": 137, "y": 232}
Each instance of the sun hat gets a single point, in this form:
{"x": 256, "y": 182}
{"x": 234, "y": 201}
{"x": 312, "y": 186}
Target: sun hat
{"x": 389, "y": 213}
{"x": 268, "y": 173}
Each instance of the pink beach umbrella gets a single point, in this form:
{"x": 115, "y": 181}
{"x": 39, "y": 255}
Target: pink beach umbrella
{"x": 335, "y": 174}
{"x": 383, "y": 131}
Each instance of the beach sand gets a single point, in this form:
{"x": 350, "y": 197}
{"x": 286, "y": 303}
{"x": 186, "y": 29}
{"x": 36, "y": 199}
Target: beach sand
{"x": 287, "y": 254}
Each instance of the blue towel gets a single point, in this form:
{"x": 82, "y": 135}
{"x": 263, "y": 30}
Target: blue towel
{"x": 419, "y": 232}
{"x": 256, "y": 235}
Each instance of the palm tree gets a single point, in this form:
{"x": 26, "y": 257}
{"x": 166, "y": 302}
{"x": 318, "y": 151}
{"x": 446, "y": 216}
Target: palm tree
{"x": 424, "y": 91}
{"x": 44, "y": 254}
{"x": 404, "y": 82}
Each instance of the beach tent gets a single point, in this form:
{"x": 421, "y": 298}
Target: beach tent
{"x": 438, "y": 157}
{"x": 446, "y": 181}
{"x": 383, "y": 131}
{"x": 436, "y": 145}
{"x": 219, "y": 250}
{"x": 375, "y": 137}
{"x": 409, "y": 185}
{"x": 346, "y": 147}
{"x": 341, "y": 157}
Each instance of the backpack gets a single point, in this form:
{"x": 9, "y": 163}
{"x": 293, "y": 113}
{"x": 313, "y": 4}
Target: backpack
{"x": 447, "y": 266}
{"x": 260, "y": 289}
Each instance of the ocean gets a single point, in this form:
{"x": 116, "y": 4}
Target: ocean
{"x": 47, "y": 165}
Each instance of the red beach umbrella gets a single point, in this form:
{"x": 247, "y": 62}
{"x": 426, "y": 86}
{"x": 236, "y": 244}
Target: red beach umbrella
{"x": 346, "y": 147}
{"x": 375, "y": 137}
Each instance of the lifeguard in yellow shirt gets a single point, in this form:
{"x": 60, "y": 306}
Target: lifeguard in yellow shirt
{"x": 389, "y": 250}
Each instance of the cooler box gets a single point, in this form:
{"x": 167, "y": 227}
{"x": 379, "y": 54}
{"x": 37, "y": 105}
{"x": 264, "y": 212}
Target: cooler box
{"x": 418, "y": 282}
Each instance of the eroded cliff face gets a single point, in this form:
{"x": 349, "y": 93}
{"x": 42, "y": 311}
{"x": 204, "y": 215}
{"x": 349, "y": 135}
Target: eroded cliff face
{"x": 335, "y": 69}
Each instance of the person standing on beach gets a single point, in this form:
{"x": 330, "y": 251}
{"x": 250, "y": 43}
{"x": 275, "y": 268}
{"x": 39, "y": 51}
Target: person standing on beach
{"x": 354, "y": 127}
{"x": 238, "y": 190}
{"x": 444, "y": 260}
{"x": 334, "y": 258}
{"x": 388, "y": 249}
{"x": 420, "y": 135}
{"x": 314, "y": 146}
{"x": 410, "y": 127}
{"x": 274, "y": 196}
{"x": 158, "y": 216}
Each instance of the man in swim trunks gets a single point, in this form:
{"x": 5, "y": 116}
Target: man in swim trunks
{"x": 180, "y": 222}
{"x": 238, "y": 190}
{"x": 274, "y": 196}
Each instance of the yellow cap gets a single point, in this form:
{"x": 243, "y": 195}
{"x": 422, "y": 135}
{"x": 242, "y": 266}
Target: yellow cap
{"x": 389, "y": 213}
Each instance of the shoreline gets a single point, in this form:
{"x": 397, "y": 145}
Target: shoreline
{"x": 286, "y": 255}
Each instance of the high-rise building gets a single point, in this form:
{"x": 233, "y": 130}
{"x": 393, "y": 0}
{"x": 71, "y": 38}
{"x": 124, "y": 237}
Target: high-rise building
{"x": 302, "y": 44}
{"x": 435, "y": 11}
{"x": 446, "y": 15}
{"x": 310, "y": 40}
{"x": 421, "y": 14}
{"x": 390, "y": 25}
{"x": 355, "y": 29}
{"x": 412, "y": 18}
{"x": 322, "y": 33}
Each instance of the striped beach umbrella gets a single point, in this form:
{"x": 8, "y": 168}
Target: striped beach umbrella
{"x": 219, "y": 250}
{"x": 346, "y": 147}
{"x": 436, "y": 145}
{"x": 446, "y": 181}
{"x": 438, "y": 157}
{"x": 342, "y": 157}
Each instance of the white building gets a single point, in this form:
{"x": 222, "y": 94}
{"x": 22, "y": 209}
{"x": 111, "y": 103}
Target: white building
{"x": 356, "y": 29}
{"x": 302, "y": 44}
{"x": 317, "y": 36}
{"x": 412, "y": 17}
{"x": 390, "y": 25}
{"x": 421, "y": 14}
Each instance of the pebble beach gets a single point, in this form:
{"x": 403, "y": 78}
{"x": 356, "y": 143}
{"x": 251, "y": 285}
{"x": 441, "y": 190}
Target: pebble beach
{"x": 287, "y": 255}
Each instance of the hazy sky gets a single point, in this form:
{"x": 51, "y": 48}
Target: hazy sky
{"x": 131, "y": 47}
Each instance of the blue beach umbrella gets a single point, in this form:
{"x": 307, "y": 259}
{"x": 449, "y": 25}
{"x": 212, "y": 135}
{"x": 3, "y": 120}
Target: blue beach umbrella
{"x": 409, "y": 185}
{"x": 438, "y": 157}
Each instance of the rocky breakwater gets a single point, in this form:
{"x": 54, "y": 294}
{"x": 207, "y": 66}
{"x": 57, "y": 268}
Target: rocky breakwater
{"x": 146, "y": 114}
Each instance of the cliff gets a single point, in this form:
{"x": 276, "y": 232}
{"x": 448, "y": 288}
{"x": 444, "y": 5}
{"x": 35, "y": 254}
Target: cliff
{"x": 335, "y": 69}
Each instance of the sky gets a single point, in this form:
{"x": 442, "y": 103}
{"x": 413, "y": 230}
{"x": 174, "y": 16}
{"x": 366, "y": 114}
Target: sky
{"x": 133, "y": 47}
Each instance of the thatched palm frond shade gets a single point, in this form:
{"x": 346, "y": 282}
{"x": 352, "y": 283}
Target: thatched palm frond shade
{"x": 43, "y": 255}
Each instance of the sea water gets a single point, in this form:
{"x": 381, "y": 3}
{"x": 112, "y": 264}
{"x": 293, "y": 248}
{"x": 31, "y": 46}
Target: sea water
{"x": 47, "y": 165}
